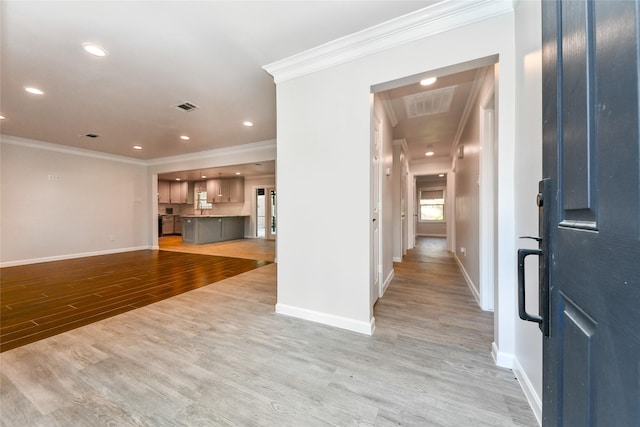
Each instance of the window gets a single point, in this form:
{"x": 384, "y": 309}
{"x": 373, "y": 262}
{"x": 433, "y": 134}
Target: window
{"x": 431, "y": 205}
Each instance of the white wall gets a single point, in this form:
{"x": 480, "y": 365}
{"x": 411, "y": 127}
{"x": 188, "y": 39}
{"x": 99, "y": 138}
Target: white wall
{"x": 389, "y": 187}
{"x": 528, "y": 164}
{"x": 467, "y": 194}
{"x": 323, "y": 136}
{"x": 93, "y": 204}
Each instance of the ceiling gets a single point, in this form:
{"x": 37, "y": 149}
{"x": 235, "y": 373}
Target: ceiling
{"x": 437, "y": 128}
{"x": 161, "y": 54}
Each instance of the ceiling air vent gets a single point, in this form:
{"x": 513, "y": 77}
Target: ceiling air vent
{"x": 187, "y": 106}
{"x": 92, "y": 135}
{"x": 430, "y": 102}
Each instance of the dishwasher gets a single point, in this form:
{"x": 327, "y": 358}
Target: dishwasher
{"x": 167, "y": 225}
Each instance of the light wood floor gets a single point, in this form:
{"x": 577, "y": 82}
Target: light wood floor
{"x": 258, "y": 249}
{"x": 219, "y": 356}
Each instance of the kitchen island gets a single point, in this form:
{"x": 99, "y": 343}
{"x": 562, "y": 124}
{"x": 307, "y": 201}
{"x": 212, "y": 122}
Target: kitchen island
{"x": 200, "y": 229}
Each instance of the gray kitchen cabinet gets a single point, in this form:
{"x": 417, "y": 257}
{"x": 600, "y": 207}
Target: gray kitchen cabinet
{"x": 178, "y": 192}
{"x": 225, "y": 190}
{"x": 236, "y": 190}
{"x": 164, "y": 192}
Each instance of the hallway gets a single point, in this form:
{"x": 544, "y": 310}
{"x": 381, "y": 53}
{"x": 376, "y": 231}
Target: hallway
{"x": 220, "y": 356}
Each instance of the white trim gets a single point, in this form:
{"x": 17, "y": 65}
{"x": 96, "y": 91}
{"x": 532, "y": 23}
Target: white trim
{"x": 66, "y": 149}
{"x": 224, "y": 151}
{"x": 387, "y": 281}
{"x": 327, "y": 319}
{"x": 72, "y": 256}
{"x": 431, "y": 234}
{"x": 502, "y": 359}
{"x": 397, "y": 259}
{"x": 487, "y": 200}
{"x": 478, "y": 81}
{"x": 438, "y": 18}
{"x": 467, "y": 279}
{"x": 529, "y": 391}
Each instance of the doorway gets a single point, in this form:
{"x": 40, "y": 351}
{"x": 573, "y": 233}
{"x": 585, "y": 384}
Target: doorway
{"x": 266, "y": 220}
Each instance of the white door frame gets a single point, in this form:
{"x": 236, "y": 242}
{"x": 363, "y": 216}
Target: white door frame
{"x": 487, "y": 198}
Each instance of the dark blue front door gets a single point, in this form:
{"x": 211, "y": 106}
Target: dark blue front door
{"x": 591, "y": 157}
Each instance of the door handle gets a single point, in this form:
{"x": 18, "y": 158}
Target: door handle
{"x": 542, "y": 318}
{"x": 522, "y": 310}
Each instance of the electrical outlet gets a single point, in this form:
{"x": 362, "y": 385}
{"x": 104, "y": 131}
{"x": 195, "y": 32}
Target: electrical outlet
{"x": 463, "y": 251}
{"x": 53, "y": 177}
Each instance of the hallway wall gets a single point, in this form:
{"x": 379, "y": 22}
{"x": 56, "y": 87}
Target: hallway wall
{"x": 323, "y": 135}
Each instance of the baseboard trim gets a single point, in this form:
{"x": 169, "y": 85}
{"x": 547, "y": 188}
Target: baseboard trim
{"x": 71, "y": 256}
{"x": 397, "y": 259}
{"x": 365, "y": 328}
{"x": 387, "y": 282}
{"x": 502, "y": 359}
{"x": 430, "y": 235}
{"x": 467, "y": 279}
{"x": 529, "y": 391}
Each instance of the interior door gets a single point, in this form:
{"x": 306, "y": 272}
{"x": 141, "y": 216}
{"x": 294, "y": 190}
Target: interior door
{"x": 591, "y": 371}
{"x": 376, "y": 145}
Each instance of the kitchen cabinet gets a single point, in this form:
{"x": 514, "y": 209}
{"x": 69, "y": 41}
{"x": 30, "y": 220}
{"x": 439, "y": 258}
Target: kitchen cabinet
{"x": 178, "y": 192}
{"x": 226, "y": 190}
{"x": 164, "y": 192}
{"x": 190, "y": 192}
{"x": 211, "y": 228}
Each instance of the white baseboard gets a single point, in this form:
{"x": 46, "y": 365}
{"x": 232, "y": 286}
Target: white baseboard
{"x": 72, "y": 256}
{"x": 430, "y": 235}
{"x": 387, "y": 282}
{"x": 366, "y": 328}
{"x": 502, "y": 359}
{"x": 529, "y": 391}
{"x": 397, "y": 259}
{"x": 467, "y": 279}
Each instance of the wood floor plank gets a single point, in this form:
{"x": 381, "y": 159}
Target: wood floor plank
{"x": 41, "y": 300}
{"x": 220, "y": 356}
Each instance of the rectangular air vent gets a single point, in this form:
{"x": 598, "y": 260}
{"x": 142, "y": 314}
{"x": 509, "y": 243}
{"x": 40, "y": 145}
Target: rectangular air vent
{"x": 92, "y": 135}
{"x": 430, "y": 102}
{"x": 187, "y": 106}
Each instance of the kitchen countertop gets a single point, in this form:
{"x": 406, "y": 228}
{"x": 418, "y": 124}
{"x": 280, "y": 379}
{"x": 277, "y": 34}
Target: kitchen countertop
{"x": 212, "y": 216}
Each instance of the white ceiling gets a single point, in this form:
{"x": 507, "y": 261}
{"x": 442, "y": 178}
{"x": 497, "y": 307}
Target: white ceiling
{"x": 161, "y": 53}
{"x": 433, "y": 132}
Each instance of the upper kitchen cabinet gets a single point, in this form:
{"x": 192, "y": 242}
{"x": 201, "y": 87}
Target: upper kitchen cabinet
{"x": 164, "y": 192}
{"x": 226, "y": 190}
{"x": 178, "y": 193}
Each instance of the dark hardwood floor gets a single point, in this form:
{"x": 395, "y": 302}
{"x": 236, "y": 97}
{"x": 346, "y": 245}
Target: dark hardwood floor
{"x": 41, "y": 300}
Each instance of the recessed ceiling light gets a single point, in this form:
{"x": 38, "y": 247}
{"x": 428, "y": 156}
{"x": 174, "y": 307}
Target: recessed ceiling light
{"x": 428, "y": 82}
{"x": 238, "y": 173}
{"x": 429, "y": 153}
{"x": 177, "y": 179}
{"x": 34, "y": 90}
{"x": 248, "y": 124}
{"x": 137, "y": 147}
{"x": 94, "y": 49}
{"x": 184, "y": 137}
{"x": 1, "y": 117}
{"x": 204, "y": 176}
{"x": 441, "y": 175}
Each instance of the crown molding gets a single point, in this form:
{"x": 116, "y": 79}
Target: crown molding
{"x": 66, "y": 149}
{"x": 225, "y": 151}
{"x": 443, "y": 16}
